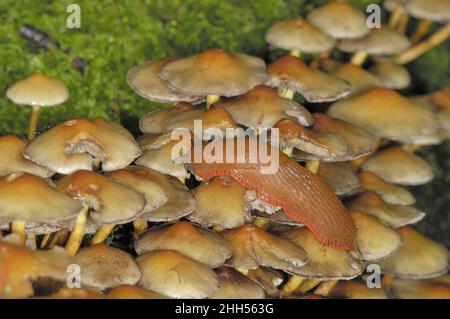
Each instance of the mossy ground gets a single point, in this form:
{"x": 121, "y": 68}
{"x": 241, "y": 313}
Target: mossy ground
{"x": 116, "y": 35}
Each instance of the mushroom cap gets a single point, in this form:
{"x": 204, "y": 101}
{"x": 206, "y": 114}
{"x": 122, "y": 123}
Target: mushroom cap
{"x": 74, "y": 293}
{"x": 254, "y": 247}
{"x": 21, "y": 266}
{"x": 398, "y": 166}
{"x": 418, "y": 257}
{"x": 374, "y": 239}
{"x": 31, "y": 199}
{"x": 104, "y": 267}
{"x": 153, "y": 141}
{"x": 220, "y": 202}
{"x": 392, "y": 75}
{"x": 155, "y": 121}
{"x": 390, "y": 193}
{"x": 132, "y": 292}
{"x": 434, "y": 10}
{"x": 279, "y": 217}
{"x": 385, "y": 113}
{"x": 299, "y": 34}
{"x": 315, "y": 86}
{"x": 380, "y": 41}
{"x": 12, "y": 161}
{"x": 393, "y": 215}
{"x": 417, "y": 289}
{"x": 173, "y": 274}
{"x": 110, "y": 202}
{"x": 215, "y": 72}
{"x": 142, "y": 180}
{"x": 391, "y": 5}
{"x": 234, "y": 285}
{"x": 262, "y": 107}
{"x": 339, "y": 20}
{"x": 144, "y": 79}
{"x": 324, "y": 263}
{"x": 267, "y": 278}
{"x": 200, "y": 244}
{"x": 72, "y": 145}
{"x": 356, "y": 289}
{"x": 38, "y": 90}
{"x": 340, "y": 177}
{"x": 359, "y": 79}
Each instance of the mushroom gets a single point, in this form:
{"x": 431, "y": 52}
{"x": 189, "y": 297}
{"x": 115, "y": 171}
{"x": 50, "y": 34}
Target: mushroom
{"x": 109, "y": 202}
{"x": 397, "y": 10}
{"x": 106, "y": 267}
{"x": 234, "y": 285}
{"x": 173, "y": 274}
{"x": 200, "y": 244}
{"x": 290, "y": 74}
{"x": 395, "y": 216}
{"x": 392, "y": 75}
{"x": 398, "y": 166}
{"x": 359, "y": 79}
{"x": 153, "y": 141}
{"x": 155, "y": 121}
{"x": 340, "y": 177}
{"x": 34, "y": 205}
{"x": 144, "y": 79}
{"x": 214, "y": 73}
{"x": 417, "y": 289}
{"x": 356, "y": 289}
{"x": 74, "y": 293}
{"x": 132, "y": 292}
{"x": 37, "y": 90}
{"x": 78, "y": 144}
{"x": 418, "y": 257}
{"x": 267, "y": 278}
{"x": 12, "y": 160}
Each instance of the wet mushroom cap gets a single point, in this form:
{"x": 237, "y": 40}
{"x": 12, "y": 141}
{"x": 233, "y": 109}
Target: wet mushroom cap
{"x": 434, "y": 10}
{"x": 339, "y": 20}
{"x": 359, "y": 79}
{"x": 215, "y": 72}
{"x": 200, "y": 244}
{"x": 299, "y": 34}
{"x": 417, "y": 289}
{"x": 418, "y": 257}
{"x": 12, "y": 160}
{"x": 72, "y": 145}
{"x": 153, "y": 141}
{"x": 316, "y": 86}
{"x": 132, "y": 292}
{"x": 392, "y": 75}
{"x": 38, "y": 90}
{"x": 144, "y": 79}
{"x": 356, "y": 289}
{"x": 398, "y": 166}
{"x": 234, "y": 285}
{"x": 173, "y": 274}
{"x": 340, "y": 177}
{"x": 104, "y": 267}
{"x": 155, "y": 121}
{"x": 110, "y": 202}
{"x": 262, "y": 107}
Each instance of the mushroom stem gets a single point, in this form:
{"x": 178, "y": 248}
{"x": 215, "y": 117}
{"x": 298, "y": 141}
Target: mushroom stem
{"x": 211, "y": 99}
{"x": 30, "y": 241}
{"x": 325, "y": 287}
{"x": 286, "y": 93}
{"x": 295, "y": 52}
{"x": 19, "y": 227}
{"x": 308, "y": 284}
{"x": 46, "y": 239}
{"x": 182, "y": 179}
{"x": 76, "y": 236}
{"x": 140, "y": 226}
{"x": 261, "y": 222}
{"x": 242, "y": 271}
{"x": 420, "y": 31}
{"x": 102, "y": 234}
{"x": 358, "y": 58}
{"x": 33, "y": 122}
{"x": 59, "y": 238}
{"x": 414, "y": 52}
{"x": 395, "y": 17}
{"x": 287, "y": 150}
{"x": 218, "y": 228}
{"x": 292, "y": 285}
{"x": 403, "y": 23}
{"x": 313, "y": 166}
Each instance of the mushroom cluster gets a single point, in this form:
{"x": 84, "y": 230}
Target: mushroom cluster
{"x": 218, "y": 227}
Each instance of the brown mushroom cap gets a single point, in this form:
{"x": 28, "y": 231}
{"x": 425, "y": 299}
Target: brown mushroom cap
{"x": 72, "y": 145}
{"x": 74, "y": 293}
{"x": 359, "y": 79}
{"x": 299, "y": 34}
{"x": 418, "y": 257}
{"x": 110, "y": 202}
{"x": 385, "y": 113}
{"x": 144, "y": 79}
{"x": 393, "y": 215}
{"x": 132, "y": 292}
{"x": 324, "y": 263}
{"x": 434, "y": 10}
{"x": 262, "y": 107}
{"x": 215, "y": 72}
{"x": 392, "y": 75}
{"x": 155, "y": 121}
{"x": 398, "y": 166}
{"x": 38, "y": 90}
{"x": 340, "y": 177}
{"x": 339, "y": 20}
{"x": 374, "y": 239}
{"x": 267, "y": 278}
{"x": 220, "y": 202}
{"x": 153, "y": 141}
{"x": 200, "y": 244}
{"x": 380, "y": 41}
{"x": 105, "y": 267}
{"x": 356, "y": 289}
{"x": 12, "y": 161}
{"x": 234, "y": 285}
{"x": 31, "y": 199}
{"x": 254, "y": 247}
{"x": 417, "y": 289}
{"x": 316, "y": 86}
{"x": 171, "y": 273}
